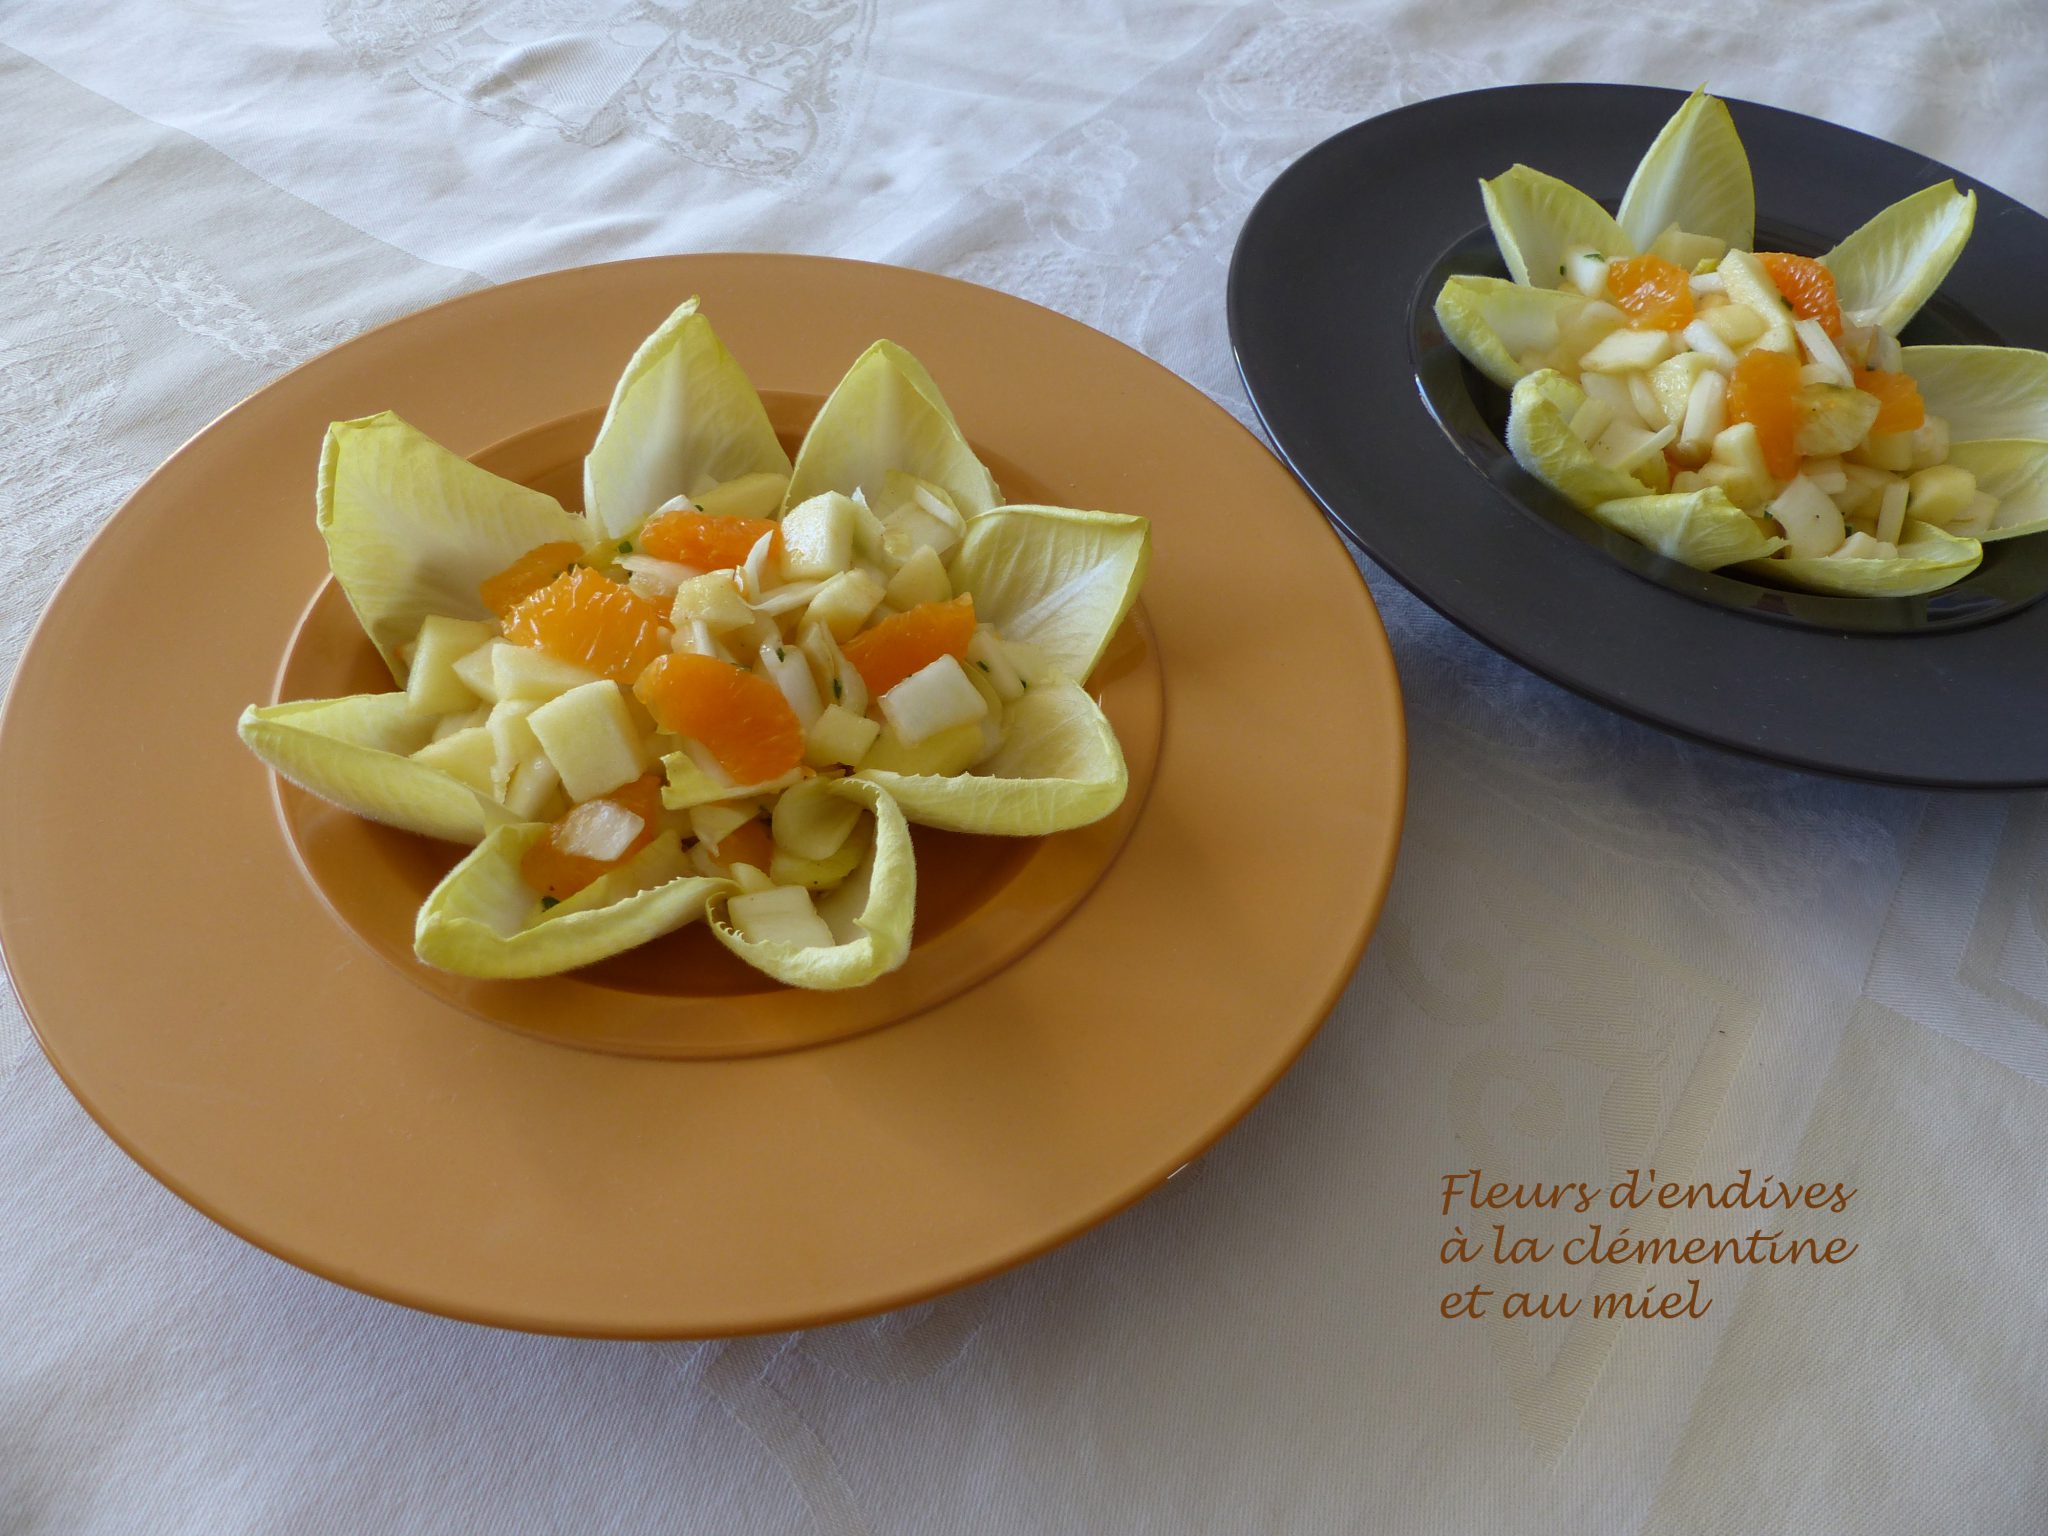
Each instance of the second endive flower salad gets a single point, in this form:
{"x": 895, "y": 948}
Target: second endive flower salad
{"x": 727, "y": 687}
{"x": 1729, "y": 407}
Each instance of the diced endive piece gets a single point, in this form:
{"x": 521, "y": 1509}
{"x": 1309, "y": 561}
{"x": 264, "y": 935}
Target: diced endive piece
{"x": 1626, "y": 351}
{"x": 413, "y": 530}
{"x": 483, "y": 920}
{"x": 1700, "y": 528}
{"x": 948, "y": 752}
{"x": 817, "y": 537}
{"x": 812, "y": 820}
{"x": 431, "y": 684}
{"x": 1694, "y": 175}
{"x": 683, "y": 419}
{"x": 591, "y": 738}
{"x": 843, "y": 604}
{"x": 713, "y": 600}
{"x": 2015, "y": 476}
{"x": 1928, "y": 560}
{"x": 934, "y": 698}
{"x": 1059, "y": 767}
{"x": 1541, "y": 439}
{"x": 1984, "y": 393}
{"x": 1499, "y": 325}
{"x": 786, "y": 868}
{"x": 1812, "y": 523}
{"x": 779, "y": 915}
{"x": 987, "y": 653}
{"x": 1538, "y": 221}
{"x": 887, "y": 414}
{"x": 1891, "y": 266}
{"x": 1836, "y": 418}
{"x": 1706, "y": 414}
{"x": 356, "y": 753}
{"x": 785, "y": 667}
{"x": 1056, "y": 579}
{"x": 478, "y": 671}
{"x": 694, "y": 778}
{"x": 868, "y": 916}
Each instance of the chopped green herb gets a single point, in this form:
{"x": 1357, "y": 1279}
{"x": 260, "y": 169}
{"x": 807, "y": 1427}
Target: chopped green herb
{"x": 778, "y": 653}
{"x": 625, "y": 546}
{"x": 1560, "y": 269}
{"x": 838, "y": 692}
{"x": 983, "y": 665}
{"x": 1598, "y": 257}
{"x": 549, "y": 901}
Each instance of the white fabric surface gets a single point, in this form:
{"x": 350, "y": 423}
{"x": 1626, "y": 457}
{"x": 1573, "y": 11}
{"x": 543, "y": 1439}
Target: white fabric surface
{"x": 1604, "y": 948}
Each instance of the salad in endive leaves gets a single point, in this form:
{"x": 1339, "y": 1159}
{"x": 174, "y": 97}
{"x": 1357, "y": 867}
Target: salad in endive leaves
{"x": 1730, "y": 407}
{"x": 726, "y": 688}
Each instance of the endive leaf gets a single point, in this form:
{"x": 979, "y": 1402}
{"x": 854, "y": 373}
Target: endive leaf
{"x": 413, "y": 529}
{"x": 354, "y": 752}
{"x": 1928, "y": 560}
{"x": 1495, "y": 322}
{"x": 1541, "y": 439}
{"x": 1059, "y": 767}
{"x": 1702, "y": 529}
{"x": 1887, "y": 269}
{"x": 887, "y": 414}
{"x": 1055, "y": 578}
{"x": 483, "y": 920}
{"x": 870, "y": 914}
{"x": 686, "y": 784}
{"x": 1537, "y": 219}
{"x": 1983, "y": 392}
{"x": 2016, "y": 472}
{"x": 1694, "y": 175}
{"x": 683, "y": 417}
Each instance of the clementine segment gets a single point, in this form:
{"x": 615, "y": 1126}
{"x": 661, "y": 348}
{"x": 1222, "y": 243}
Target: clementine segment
{"x": 1764, "y": 390}
{"x": 1808, "y": 287}
{"x": 706, "y": 542}
{"x": 1655, "y": 294}
{"x": 547, "y": 869}
{"x": 748, "y": 843}
{"x": 1899, "y": 406}
{"x": 740, "y": 718}
{"x": 910, "y": 641}
{"x": 587, "y": 618}
{"x": 527, "y": 575}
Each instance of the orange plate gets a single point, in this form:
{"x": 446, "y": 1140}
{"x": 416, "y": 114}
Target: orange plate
{"x": 221, "y": 969}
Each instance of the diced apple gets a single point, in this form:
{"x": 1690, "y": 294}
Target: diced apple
{"x": 951, "y": 751}
{"x": 1672, "y": 381}
{"x": 817, "y": 537}
{"x": 448, "y": 725}
{"x": 1627, "y": 351}
{"x": 513, "y": 740}
{"x": 844, "y": 603}
{"x": 1592, "y": 322}
{"x": 713, "y": 824}
{"x": 1706, "y": 413}
{"x": 1939, "y": 495}
{"x": 478, "y": 671}
{"x": 1701, "y": 338}
{"x": 590, "y": 737}
{"x": 811, "y": 821}
{"x": 920, "y": 579}
{"x": 712, "y": 600}
{"x": 1614, "y": 394}
{"x": 523, "y": 672}
{"x": 1591, "y": 419}
{"x": 1647, "y": 404}
{"x": 817, "y": 874}
{"x": 1687, "y": 250}
{"x": 1861, "y": 546}
{"x": 782, "y": 914}
{"x": 1930, "y": 443}
{"x": 467, "y": 755}
{"x": 1826, "y": 474}
{"x": 755, "y": 495}
{"x": 534, "y": 790}
{"x": 932, "y": 699}
{"x": 1891, "y": 451}
{"x": 1626, "y": 447}
{"x": 432, "y": 686}
{"x": 838, "y": 736}
{"x": 1736, "y": 324}
{"x": 1891, "y": 511}
{"x": 752, "y": 880}
{"x": 1834, "y": 419}
{"x": 1976, "y": 518}
{"x": 1586, "y": 270}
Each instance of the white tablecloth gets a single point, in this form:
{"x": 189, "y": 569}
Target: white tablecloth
{"x": 1604, "y": 949}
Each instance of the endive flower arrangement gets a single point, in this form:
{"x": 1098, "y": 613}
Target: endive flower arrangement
{"x": 726, "y": 688}
{"x": 1730, "y": 408}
